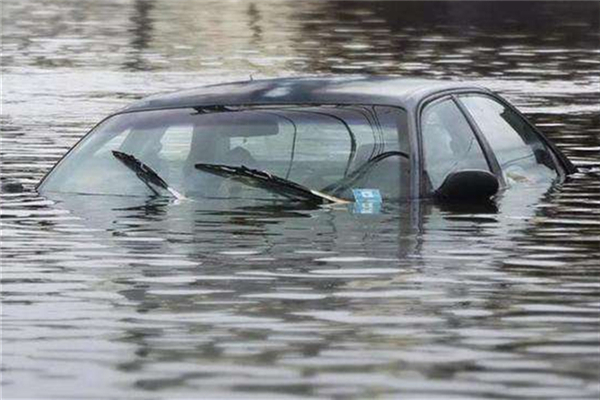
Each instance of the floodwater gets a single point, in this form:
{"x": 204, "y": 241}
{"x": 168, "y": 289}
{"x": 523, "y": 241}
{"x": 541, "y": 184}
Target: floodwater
{"x": 137, "y": 298}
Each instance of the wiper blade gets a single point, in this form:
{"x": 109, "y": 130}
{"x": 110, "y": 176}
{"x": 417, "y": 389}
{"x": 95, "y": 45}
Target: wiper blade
{"x": 270, "y": 182}
{"x": 145, "y": 173}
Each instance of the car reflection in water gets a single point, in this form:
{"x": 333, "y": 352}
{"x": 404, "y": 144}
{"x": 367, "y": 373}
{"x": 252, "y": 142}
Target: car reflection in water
{"x": 273, "y": 232}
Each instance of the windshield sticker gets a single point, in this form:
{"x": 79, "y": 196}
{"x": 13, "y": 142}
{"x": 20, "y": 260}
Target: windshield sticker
{"x": 368, "y": 201}
{"x": 370, "y": 195}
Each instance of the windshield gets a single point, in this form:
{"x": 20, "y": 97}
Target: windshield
{"x": 333, "y": 149}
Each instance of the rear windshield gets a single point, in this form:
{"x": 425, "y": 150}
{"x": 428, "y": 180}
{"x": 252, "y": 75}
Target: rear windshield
{"x": 324, "y": 148}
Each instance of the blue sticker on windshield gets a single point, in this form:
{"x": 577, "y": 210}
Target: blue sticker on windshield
{"x": 368, "y": 201}
{"x": 370, "y": 195}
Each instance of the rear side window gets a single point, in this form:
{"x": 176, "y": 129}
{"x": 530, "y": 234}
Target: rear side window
{"x": 522, "y": 155}
{"x": 449, "y": 143}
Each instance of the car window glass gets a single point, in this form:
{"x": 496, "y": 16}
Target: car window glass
{"x": 270, "y": 151}
{"x": 522, "y": 155}
{"x": 322, "y": 145}
{"x": 175, "y": 143}
{"x": 392, "y": 122}
{"x": 92, "y": 168}
{"x": 449, "y": 144}
{"x": 115, "y": 142}
{"x": 313, "y": 146}
{"x": 335, "y": 142}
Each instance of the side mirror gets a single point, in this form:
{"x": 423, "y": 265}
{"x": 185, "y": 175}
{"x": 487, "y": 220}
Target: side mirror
{"x": 468, "y": 185}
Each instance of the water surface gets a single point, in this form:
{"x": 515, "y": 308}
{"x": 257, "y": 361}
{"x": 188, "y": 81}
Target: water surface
{"x": 108, "y": 297}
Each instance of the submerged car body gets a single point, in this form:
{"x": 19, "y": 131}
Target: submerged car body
{"x": 313, "y": 139}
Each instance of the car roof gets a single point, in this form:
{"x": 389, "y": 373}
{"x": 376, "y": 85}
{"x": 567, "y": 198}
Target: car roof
{"x": 345, "y": 89}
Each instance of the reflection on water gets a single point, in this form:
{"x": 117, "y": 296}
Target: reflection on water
{"x": 131, "y": 297}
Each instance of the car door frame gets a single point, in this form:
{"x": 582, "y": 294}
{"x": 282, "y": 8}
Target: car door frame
{"x": 424, "y": 187}
{"x": 563, "y": 165}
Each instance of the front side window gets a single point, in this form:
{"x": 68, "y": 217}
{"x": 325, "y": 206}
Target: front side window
{"x": 522, "y": 155}
{"x": 449, "y": 143}
{"x": 333, "y": 149}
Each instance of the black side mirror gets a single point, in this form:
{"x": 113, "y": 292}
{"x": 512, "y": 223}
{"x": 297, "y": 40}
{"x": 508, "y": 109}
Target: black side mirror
{"x": 468, "y": 185}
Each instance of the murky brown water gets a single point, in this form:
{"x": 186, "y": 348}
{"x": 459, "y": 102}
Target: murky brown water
{"x": 150, "y": 299}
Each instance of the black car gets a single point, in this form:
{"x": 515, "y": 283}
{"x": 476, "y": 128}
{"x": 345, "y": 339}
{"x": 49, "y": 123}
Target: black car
{"x": 320, "y": 140}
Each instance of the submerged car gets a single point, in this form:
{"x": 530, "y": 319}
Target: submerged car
{"x": 319, "y": 140}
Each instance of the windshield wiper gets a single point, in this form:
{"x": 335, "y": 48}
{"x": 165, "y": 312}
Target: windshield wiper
{"x": 145, "y": 173}
{"x": 267, "y": 181}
